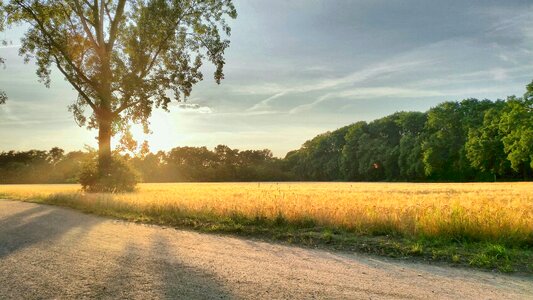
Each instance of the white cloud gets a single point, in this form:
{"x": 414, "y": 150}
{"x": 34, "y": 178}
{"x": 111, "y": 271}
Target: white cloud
{"x": 193, "y": 107}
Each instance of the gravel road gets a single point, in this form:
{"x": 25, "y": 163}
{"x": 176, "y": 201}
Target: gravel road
{"x": 51, "y": 252}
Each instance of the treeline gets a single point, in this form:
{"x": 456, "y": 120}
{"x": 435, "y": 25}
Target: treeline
{"x": 470, "y": 140}
{"x": 180, "y": 164}
{"x": 183, "y": 164}
{"x": 37, "y": 166}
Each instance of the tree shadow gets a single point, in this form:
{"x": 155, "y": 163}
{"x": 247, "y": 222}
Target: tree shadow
{"x": 182, "y": 280}
{"x": 153, "y": 271}
{"x": 142, "y": 266}
{"x": 37, "y": 224}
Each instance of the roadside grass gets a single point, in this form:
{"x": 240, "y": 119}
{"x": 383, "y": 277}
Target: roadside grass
{"x": 485, "y": 225}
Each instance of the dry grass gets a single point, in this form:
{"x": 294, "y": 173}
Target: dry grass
{"x": 496, "y": 212}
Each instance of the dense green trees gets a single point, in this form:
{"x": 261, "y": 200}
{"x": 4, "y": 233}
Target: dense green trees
{"x": 484, "y": 147}
{"x": 468, "y": 140}
{"x": 446, "y": 132}
{"x": 516, "y": 125}
{"x": 319, "y": 158}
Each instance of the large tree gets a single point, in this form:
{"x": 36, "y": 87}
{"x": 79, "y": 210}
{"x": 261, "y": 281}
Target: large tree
{"x": 123, "y": 57}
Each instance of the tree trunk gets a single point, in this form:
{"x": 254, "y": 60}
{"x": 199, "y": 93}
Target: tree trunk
{"x": 104, "y": 148}
{"x": 105, "y": 118}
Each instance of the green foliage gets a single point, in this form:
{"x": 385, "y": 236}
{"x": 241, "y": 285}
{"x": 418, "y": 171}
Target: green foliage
{"x": 484, "y": 146}
{"x": 516, "y": 124}
{"x": 320, "y": 158}
{"x": 493, "y": 256}
{"x": 122, "y": 178}
{"x": 3, "y": 97}
{"x": 447, "y": 128}
{"x": 470, "y": 140}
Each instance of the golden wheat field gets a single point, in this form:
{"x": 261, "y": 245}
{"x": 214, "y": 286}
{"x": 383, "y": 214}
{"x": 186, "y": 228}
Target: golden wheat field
{"x": 484, "y": 211}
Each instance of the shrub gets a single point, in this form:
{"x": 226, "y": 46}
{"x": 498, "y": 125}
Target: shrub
{"x": 122, "y": 177}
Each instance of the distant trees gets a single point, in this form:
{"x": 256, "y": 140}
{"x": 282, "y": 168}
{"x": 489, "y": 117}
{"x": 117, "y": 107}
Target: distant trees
{"x": 180, "y": 164}
{"x": 446, "y": 132}
{"x": 201, "y": 164}
{"x": 319, "y": 158}
{"x": 454, "y": 141}
{"x": 516, "y": 126}
{"x": 484, "y": 146}
{"x": 36, "y": 166}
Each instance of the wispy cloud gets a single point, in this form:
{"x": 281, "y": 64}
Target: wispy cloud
{"x": 348, "y": 80}
{"x": 367, "y": 93}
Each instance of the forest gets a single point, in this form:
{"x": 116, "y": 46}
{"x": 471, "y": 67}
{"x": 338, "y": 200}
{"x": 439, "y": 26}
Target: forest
{"x": 468, "y": 140}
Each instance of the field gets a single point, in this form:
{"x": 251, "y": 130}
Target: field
{"x": 486, "y": 225}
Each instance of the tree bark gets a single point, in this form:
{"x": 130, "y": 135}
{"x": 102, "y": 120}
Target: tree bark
{"x": 105, "y": 117}
{"x": 104, "y": 148}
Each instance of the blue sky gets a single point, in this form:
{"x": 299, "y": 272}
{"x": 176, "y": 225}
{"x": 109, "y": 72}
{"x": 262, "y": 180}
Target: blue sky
{"x": 299, "y": 68}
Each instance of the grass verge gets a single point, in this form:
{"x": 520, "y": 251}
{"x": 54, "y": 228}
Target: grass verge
{"x": 503, "y": 256}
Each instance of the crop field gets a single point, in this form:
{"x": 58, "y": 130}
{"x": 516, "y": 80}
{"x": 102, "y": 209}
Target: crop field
{"x": 487, "y": 225}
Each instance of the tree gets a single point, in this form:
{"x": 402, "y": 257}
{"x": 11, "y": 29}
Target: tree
{"x": 350, "y": 159}
{"x": 447, "y": 128}
{"x": 55, "y": 155}
{"x": 123, "y": 56}
{"x": 410, "y": 162}
{"x": 516, "y": 124}
{"x": 484, "y": 147}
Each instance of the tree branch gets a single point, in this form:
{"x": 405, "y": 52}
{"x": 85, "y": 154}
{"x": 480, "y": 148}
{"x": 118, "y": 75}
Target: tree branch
{"x": 160, "y": 47}
{"x": 75, "y": 85}
{"x": 114, "y": 24}
{"x": 125, "y": 105}
{"x": 54, "y": 44}
{"x": 100, "y": 32}
{"x": 79, "y": 11}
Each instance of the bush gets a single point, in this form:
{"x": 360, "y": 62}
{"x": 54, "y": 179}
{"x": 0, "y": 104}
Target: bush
{"x": 122, "y": 177}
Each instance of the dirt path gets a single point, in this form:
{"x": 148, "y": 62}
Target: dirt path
{"x": 51, "y": 252}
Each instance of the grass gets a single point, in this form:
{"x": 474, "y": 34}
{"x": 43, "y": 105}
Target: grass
{"x": 483, "y": 225}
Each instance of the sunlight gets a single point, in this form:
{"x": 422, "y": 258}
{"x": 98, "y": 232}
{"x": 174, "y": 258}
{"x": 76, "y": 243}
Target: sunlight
{"x": 166, "y": 131}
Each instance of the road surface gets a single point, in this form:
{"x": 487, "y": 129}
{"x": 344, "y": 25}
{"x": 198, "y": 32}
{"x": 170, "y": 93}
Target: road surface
{"x": 51, "y": 252}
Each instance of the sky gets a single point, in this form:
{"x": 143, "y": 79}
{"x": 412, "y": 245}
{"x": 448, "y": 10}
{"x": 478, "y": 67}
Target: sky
{"x": 297, "y": 68}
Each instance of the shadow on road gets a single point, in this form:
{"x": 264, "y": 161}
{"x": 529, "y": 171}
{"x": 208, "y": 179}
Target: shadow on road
{"x": 33, "y": 225}
{"x": 99, "y": 261}
{"x": 149, "y": 269}
{"x": 182, "y": 279}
